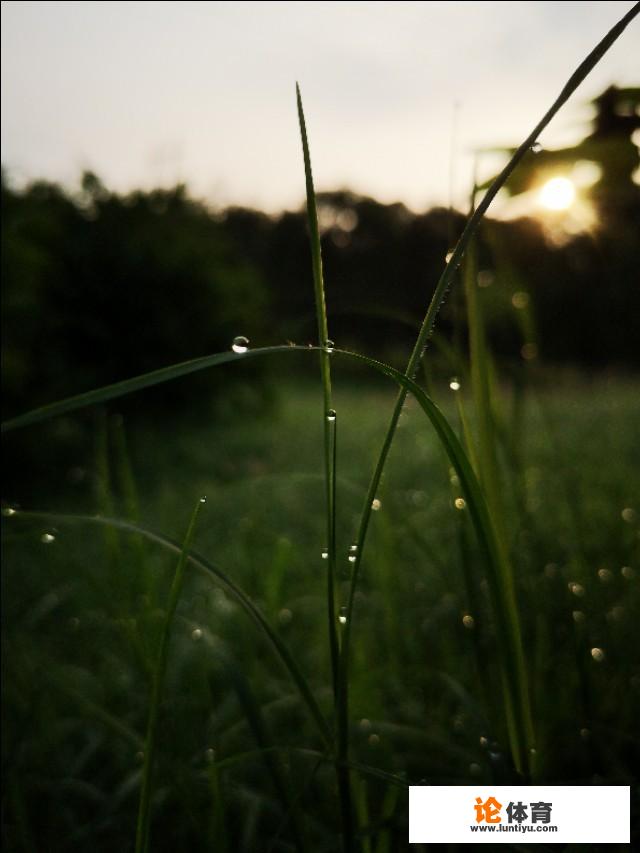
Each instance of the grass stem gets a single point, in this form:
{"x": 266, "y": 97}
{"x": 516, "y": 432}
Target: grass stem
{"x": 144, "y": 816}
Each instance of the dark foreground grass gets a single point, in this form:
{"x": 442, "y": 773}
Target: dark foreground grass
{"x": 240, "y": 763}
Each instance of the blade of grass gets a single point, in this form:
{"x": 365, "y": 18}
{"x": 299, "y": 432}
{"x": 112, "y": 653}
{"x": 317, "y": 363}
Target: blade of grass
{"x": 510, "y": 652}
{"x": 329, "y": 419}
{"x": 444, "y": 283}
{"x": 127, "y": 483}
{"x": 260, "y": 730}
{"x": 211, "y": 571}
{"x": 137, "y": 383}
{"x": 144, "y": 815}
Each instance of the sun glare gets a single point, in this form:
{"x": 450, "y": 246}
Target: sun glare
{"x": 557, "y": 194}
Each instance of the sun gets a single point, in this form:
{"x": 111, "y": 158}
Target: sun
{"x": 557, "y": 194}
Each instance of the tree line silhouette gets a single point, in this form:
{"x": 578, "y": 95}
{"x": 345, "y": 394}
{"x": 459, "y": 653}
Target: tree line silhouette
{"x": 99, "y": 286}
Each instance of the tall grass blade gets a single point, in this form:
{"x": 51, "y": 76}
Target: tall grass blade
{"x": 329, "y": 422}
{"x": 144, "y": 816}
{"x": 127, "y": 485}
{"x": 442, "y": 287}
{"x": 330, "y": 427}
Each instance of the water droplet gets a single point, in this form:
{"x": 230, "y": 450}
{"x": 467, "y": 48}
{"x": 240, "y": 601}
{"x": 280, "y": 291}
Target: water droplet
{"x": 196, "y": 634}
{"x": 342, "y": 617}
{"x": 331, "y": 415}
{"x": 576, "y": 588}
{"x": 374, "y": 739}
{"x": 627, "y": 572}
{"x": 365, "y": 724}
{"x": 485, "y": 278}
{"x": 520, "y": 299}
{"x": 578, "y": 617}
{"x": 460, "y": 503}
{"x": 529, "y": 351}
{"x": 376, "y": 504}
{"x": 47, "y": 538}
{"x": 605, "y": 575}
{"x": 484, "y": 742}
{"x": 454, "y": 384}
{"x": 628, "y": 515}
{"x": 210, "y": 755}
{"x": 329, "y": 346}
{"x": 475, "y": 769}
{"x": 598, "y": 655}
{"x": 448, "y": 256}
{"x": 468, "y": 621}
{"x": 325, "y": 554}
{"x": 536, "y": 147}
{"x": 585, "y": 734}
{"x": 203, "y": 499}
{"x": 240, "y": 344}
{"x": 8, "y": 511}
{"x": 285, "y": 616}
{"x": 353, "y": 553}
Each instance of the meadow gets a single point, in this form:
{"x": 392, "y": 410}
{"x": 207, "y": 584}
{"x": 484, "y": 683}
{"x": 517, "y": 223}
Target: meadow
{"x": 238, "y": 757}
{"x": 227, "y": 634}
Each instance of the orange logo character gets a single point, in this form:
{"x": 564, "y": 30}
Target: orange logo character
{"x": 488, "y": 811}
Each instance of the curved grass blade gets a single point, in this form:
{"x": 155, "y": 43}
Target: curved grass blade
{"x": 516, "y": 693}
{"x": 444, "y": 283}
{"x": 500, "y": 582}
{"x": 510, "y": 650}
{"x": 144, "y": 816}
{"x": 211, "y": 571}
{"x": 137, "y": 383}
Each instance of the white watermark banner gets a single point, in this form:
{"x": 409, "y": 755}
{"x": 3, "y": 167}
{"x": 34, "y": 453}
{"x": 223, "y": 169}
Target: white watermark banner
{"x": 550, "y": 814}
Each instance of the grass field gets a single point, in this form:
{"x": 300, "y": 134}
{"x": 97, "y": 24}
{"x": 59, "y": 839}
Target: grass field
{"x": 239, "y": 759}
{"x": 468, "y": 613}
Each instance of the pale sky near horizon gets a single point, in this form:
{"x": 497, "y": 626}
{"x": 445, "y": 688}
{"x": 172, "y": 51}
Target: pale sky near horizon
{"x": 154, "y": 93}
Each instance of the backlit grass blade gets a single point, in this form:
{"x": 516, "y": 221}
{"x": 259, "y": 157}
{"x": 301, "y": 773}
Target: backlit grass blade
{"x": 328, "y": 415}
{"x": 444, "y": 283}
{"x": 510, "y": 652}
{"x": 330, "y": 428}
{"x": 144, "y": 815}
{"x": 211, "y": 571}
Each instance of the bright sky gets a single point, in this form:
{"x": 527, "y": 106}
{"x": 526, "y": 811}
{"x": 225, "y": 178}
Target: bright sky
{"x": 151, "y": 93}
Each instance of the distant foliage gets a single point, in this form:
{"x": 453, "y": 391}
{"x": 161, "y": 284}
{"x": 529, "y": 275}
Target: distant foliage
{"x": 98, "y": 287}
